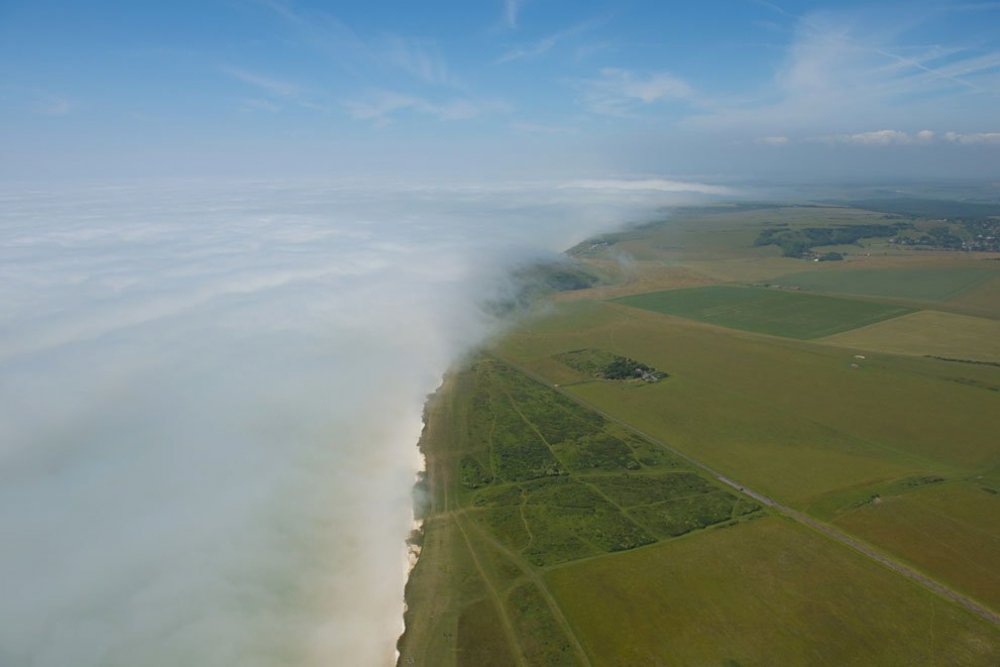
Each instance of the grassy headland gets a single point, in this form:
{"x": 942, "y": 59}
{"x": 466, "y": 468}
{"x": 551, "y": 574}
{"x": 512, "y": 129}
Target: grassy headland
{"x": 584, "y": 516}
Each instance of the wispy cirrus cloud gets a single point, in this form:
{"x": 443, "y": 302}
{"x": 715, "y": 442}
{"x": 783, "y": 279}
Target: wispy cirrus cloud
{"x": 511, "y": 9}
{"x": 619, "y": 92}
{"x": 848, "y": 68}
{"x": 54, "y": 105}
{"x": 270, "y": 86}
{"x": 547, "y": 43}
{"x": 381, "y": 106}
{"x": 365, "y": 57}
{"x": 422, "y": 59}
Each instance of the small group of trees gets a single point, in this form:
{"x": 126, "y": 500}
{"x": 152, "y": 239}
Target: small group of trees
{"x": 623, "y": 368}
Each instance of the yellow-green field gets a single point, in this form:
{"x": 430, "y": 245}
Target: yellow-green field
{"x": 952, "y": 530}
{"x": 767, "y": 592}
{"x": 983, "y": 300}
{"x": 928, "y": 333}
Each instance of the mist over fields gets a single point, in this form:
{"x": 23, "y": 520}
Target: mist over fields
{"x": 210, "y": 399}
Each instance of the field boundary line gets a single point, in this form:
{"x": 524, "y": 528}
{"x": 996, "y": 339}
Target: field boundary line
{"x": 826, "y": 529}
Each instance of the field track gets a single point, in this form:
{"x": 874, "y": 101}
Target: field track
{"x": 826, "y": 529}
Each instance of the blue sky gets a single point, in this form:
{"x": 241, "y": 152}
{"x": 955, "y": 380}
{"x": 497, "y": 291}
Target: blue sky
{"x": 505, "y": 88}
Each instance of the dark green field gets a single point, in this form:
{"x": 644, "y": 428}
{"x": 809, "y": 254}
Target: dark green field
{"x": 925, "y": 284}
{"x": 556, "y": 482}
{"x": 767, "y": 311}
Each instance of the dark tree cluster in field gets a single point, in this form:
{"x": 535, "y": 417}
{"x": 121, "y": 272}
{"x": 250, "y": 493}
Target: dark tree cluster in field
{"x": 800, "y": 242}
{"x": 623, "y": 368}
{"x": 601, "y": 364}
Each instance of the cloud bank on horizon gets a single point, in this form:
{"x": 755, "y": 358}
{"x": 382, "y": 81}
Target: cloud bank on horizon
{"x": 504, "y": 88}
{"x": 210, "y": 400}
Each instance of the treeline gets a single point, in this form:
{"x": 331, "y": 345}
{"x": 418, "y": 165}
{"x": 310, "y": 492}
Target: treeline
{"x": 800, "y": 242}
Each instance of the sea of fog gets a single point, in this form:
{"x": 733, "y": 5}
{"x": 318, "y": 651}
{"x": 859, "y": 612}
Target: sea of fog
{"x": 210, "y": 398}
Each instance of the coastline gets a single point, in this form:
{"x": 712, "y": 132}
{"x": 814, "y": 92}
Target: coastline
{"x": 424, "y": 505}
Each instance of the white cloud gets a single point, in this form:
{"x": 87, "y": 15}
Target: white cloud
{"x": 256, "y": 104}
{"x": 874, "y": 138}
{"x": 619, "y": 92}
{"x": 418, "y": 58}
{"x": 545, "y": 44}
{"x": 274, "y": 87}
{"x": 381, "y": 106}
{"x": 511, "y": 8}
{"x": 858, "y": 68}
{"x": 209, "y": 410}
{"x": 898, "y": 137}
{"x": 542, "y": 128}
{"x": 54, "y": 105}
{"x": 649, "y": 185}
{"x": 776, "y": 140}
{"x": 973, "y": 138}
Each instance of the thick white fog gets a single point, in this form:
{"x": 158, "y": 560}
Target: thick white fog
{"x": 210, "y": 399}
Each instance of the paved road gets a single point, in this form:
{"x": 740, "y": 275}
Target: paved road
{"x": 825, "y": 528}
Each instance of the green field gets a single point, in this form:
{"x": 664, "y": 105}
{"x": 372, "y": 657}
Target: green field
{"x": 523, "y": 479}
{"x": 929, "y": 283}
{"x": 570, "y": 523}
{"x": 791, "y": 417}
{"x": 930, "y": 527}
{"x": 553, "y": 481}
{"x": 982, "y": 300}
{"x": 554, "y": 533}
{"x": 768, "y": 311}
{"x": 767, "y": 592}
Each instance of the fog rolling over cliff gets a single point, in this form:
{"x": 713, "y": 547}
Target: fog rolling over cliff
{"x": 210, "y": 399}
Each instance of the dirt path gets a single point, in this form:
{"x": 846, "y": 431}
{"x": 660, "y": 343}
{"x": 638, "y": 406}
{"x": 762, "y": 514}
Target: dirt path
{"x": 532, "y": 575}
{"x": 824, "y": 528}
{"x": 497, "y": 601}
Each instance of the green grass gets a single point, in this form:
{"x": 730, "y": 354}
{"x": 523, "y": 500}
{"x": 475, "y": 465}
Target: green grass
{"x": 930, "y": 528}
{"x": 925, "y": 284}
{"x": 766, "y": 592}
{"x": 790, "y": 417}
{"x": 766, "y": 311}
{"x": 522, "y": 479}
{"x": 552, "y": 526}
